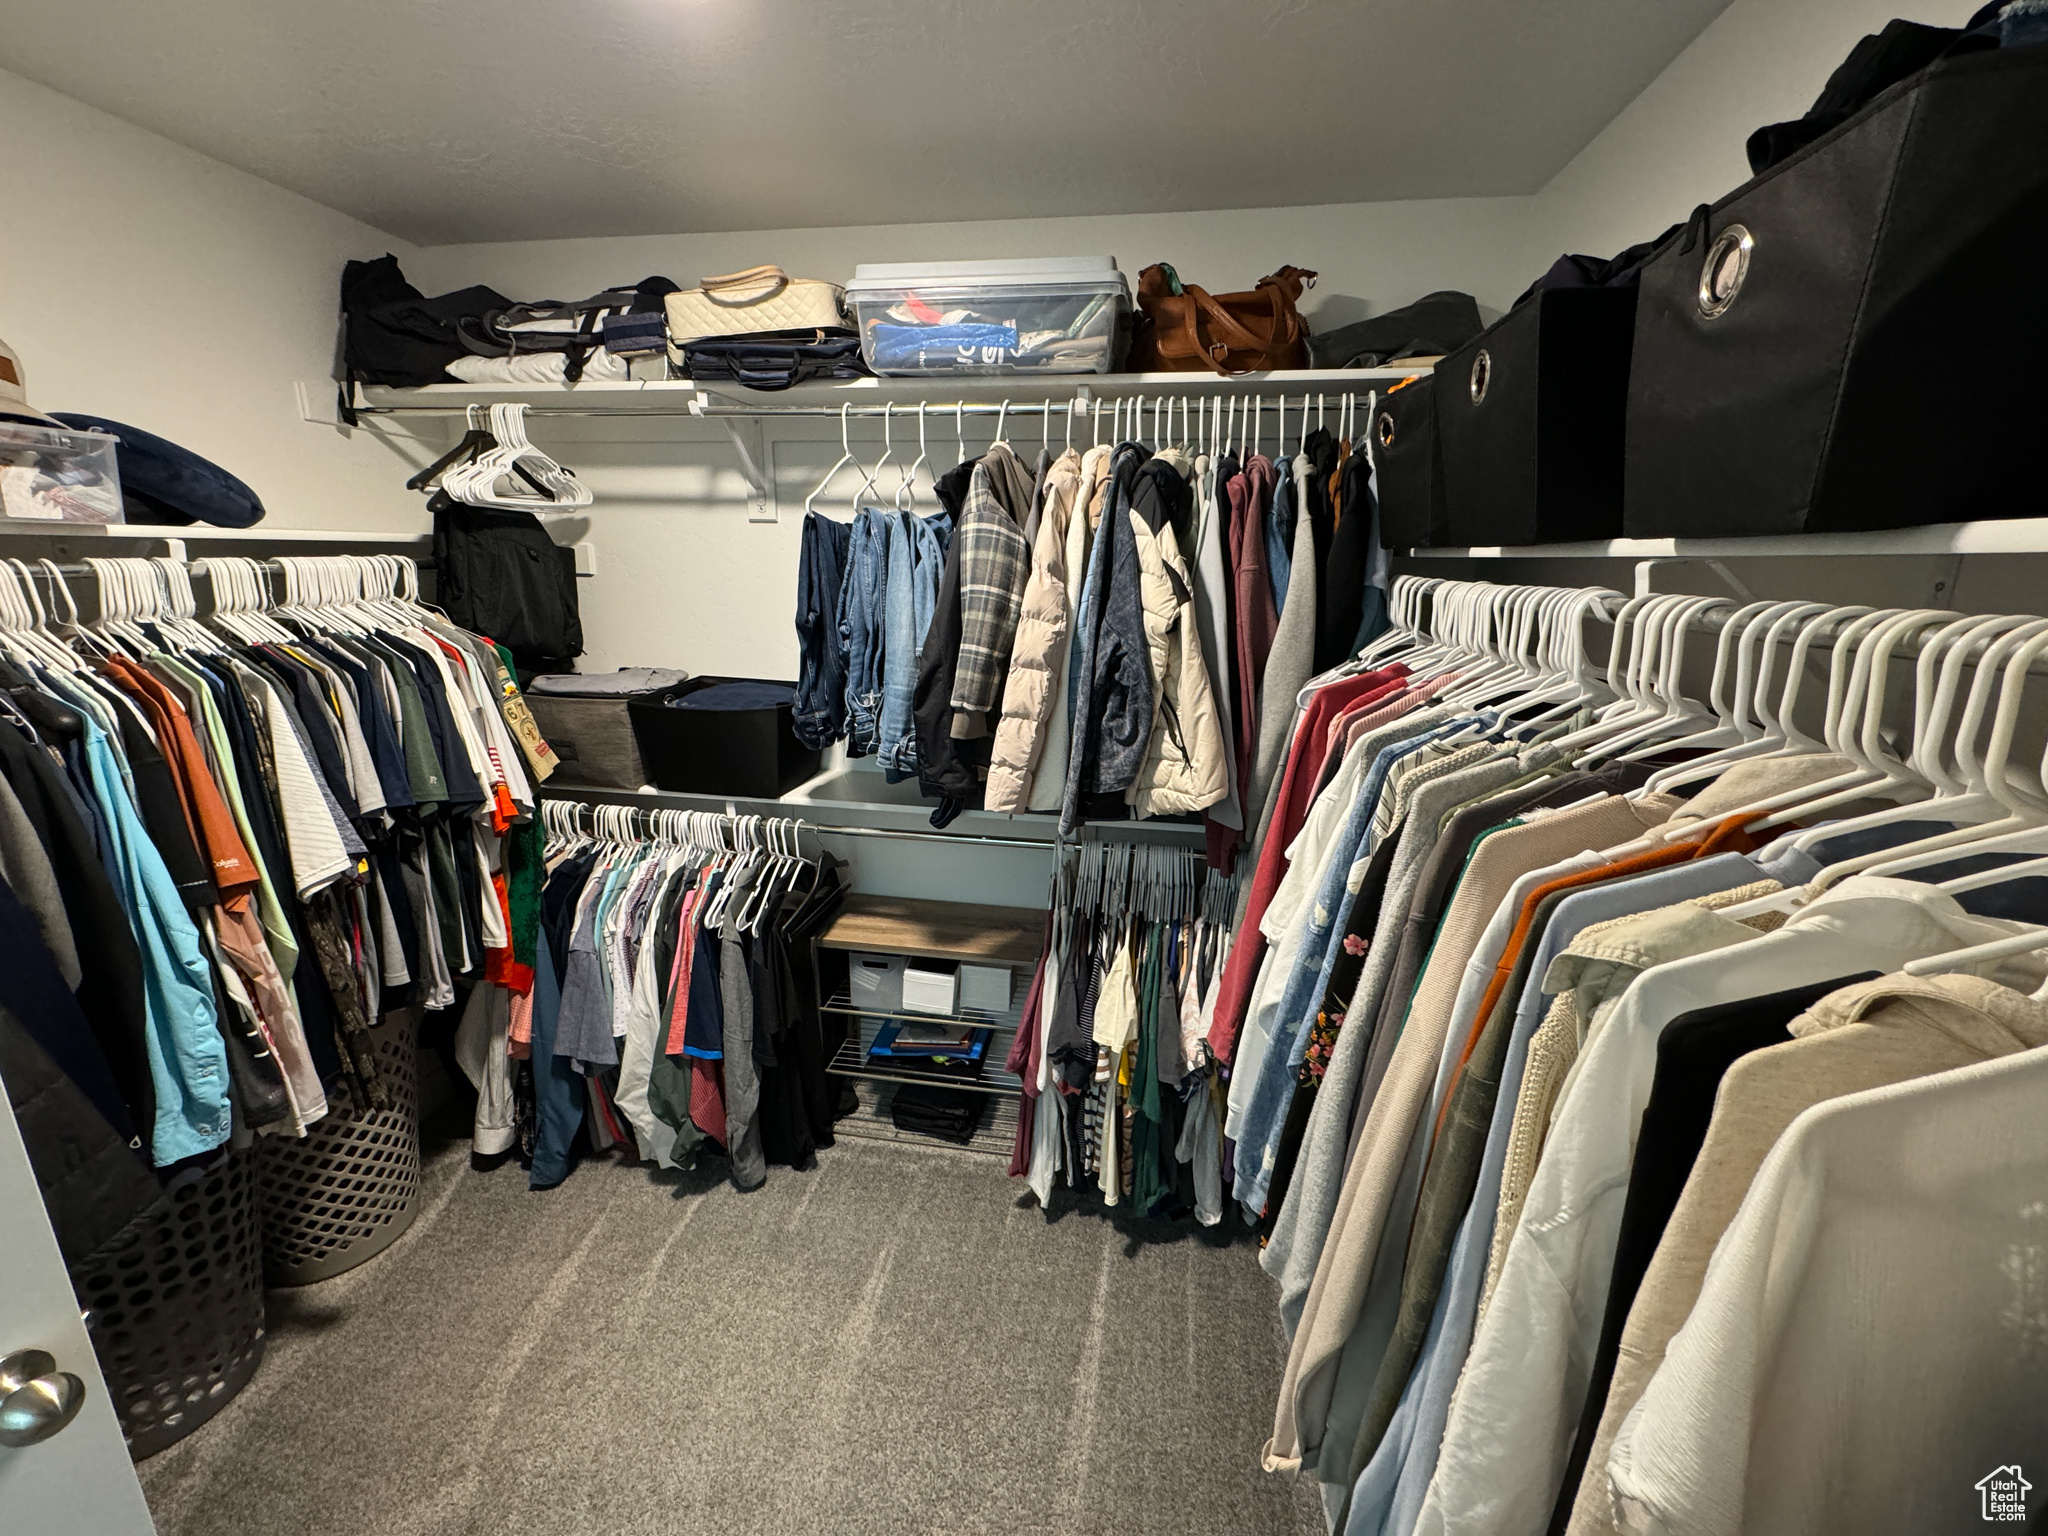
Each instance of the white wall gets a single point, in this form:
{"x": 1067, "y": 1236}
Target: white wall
{"x": 144, "y": 282}
{"x": 1369, "y": 254}
{"x": 1680, "y": 143}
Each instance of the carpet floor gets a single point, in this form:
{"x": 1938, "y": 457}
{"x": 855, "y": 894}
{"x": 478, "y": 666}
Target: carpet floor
{"x": 891, "y": 1342}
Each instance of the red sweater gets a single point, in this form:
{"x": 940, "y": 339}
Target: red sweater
{"x": 1298, "y": 781}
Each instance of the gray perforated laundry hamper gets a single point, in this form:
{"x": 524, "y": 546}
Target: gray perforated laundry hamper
{"x": 350, "y": 1188}
{"x": 176, "y": 1313}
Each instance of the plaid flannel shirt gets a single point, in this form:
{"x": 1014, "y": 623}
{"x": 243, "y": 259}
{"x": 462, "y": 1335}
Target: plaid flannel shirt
{"x": 995, "y": 562}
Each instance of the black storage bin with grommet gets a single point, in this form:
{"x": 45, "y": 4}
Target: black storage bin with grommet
{"x": 1529, "y": 419}
{"x": 751, "y": 750}
{"x": 349, "y": 1189}
{"x": 1405, "y": 456}
{"x": 1852, "y": 339}
{"x": 176, "y": 1312}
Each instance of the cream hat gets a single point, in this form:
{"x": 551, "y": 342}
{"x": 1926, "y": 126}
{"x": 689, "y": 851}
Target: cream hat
{"x": 14, "y": 388}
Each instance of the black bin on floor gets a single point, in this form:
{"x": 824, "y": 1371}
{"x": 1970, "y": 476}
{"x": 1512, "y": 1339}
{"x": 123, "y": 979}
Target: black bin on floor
{"x": 750, "y": 752}
{"x": 1410, "y": 468}
{"x": 1530, "y": 416}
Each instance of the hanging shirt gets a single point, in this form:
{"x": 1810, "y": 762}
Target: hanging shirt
{"x": 187, "y": 1061}
{"x": 1507, "y": 1437}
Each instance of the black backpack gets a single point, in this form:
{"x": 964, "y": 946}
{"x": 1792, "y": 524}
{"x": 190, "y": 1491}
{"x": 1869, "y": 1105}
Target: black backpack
{"x": 497, "y": 573}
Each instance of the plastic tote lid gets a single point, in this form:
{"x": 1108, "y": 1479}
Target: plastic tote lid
{"x": 1012, "y": 272}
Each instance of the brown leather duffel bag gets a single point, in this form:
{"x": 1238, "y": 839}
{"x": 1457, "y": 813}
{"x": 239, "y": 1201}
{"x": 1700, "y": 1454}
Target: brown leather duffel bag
{"x": 1186, "y": 329}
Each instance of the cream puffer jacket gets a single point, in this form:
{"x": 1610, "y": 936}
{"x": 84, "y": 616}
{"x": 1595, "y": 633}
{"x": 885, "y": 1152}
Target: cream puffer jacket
{"x": 1184, "y": 763}
{"x": 1039, "y": 647}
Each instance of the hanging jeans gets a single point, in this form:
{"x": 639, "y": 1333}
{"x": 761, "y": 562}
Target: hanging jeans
{"x": 557, "y": 1089}
{"x": 1280, "y": 533}
{"x": 861, "y": 628}
{"x": 821, "y": 679}
{"x": 917, "y": 554}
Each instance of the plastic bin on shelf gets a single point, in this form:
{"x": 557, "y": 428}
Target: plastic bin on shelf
{"x": 751, "y": 751}
{"x": 58, "y": 475}
{"x": 1023, "y": 317}
{"x": 350, "y": 1188}
{"x": 176, "y": 1312}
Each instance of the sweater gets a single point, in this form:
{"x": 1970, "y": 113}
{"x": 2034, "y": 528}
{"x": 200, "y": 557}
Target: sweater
{"x": 1866, "y": 1344}
{"x": 1872, "y": 1035}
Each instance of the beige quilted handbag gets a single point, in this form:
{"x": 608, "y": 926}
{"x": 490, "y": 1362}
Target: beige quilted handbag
{"x": 758, "y": 299}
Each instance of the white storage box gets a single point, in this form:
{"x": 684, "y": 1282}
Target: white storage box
{"x": 1034, "y": 316}
{"x": 985, "y": 987}
{"x": 56, "y": 475}
{"x": 875, "y": 981}
{"x": 927, "y": 988}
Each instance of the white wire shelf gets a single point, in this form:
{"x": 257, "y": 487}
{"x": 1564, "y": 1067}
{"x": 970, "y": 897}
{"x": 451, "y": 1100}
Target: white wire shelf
{"x": 206, "y": 533}
{"x": 980, "y": 394}
{"x": 994, "y": 1137}
{"x": 851, "y": 1061}
{"x": 842, "y": 1001}
{"x": 2002, "y": 536}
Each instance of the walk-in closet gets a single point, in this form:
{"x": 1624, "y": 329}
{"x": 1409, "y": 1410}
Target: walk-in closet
{"x": 1226, "y": 768}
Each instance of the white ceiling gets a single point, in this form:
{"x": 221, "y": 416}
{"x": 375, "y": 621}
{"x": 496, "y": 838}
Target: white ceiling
{"x": 459, "y": 120}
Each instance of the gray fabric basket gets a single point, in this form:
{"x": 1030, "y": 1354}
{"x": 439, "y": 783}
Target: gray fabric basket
{"x": 584, "y": 719}
{"x": 351, "y": 1188}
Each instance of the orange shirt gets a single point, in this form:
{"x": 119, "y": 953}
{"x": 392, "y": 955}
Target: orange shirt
{"x": 1727, "y": 836}
{"x": 212, "y": 823}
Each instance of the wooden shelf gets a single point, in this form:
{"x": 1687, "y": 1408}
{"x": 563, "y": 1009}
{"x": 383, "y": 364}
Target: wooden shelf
{"x": 937, "y": 930}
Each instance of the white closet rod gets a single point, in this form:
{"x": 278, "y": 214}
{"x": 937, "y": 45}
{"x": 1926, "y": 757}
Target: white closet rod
{"x": 1713, "y": 623}
{"x": 902, "y": 409}
{"x": 577, "y": 806}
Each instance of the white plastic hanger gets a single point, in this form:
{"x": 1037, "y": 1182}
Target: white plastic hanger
{"x": 1743, "y": 734}
{"x": 1983, "y": 790}
{"x": 871, "y": 480}
{"x": 906, "y": 492}
{"x": 1886, "y": 776}
{"x": 1992, "y": 787}
{"x": 1639, "y": 625}
{"x": 845, "y": 458}
{"x": 1844, "y": 702}
{"x": 1680, "y": 713}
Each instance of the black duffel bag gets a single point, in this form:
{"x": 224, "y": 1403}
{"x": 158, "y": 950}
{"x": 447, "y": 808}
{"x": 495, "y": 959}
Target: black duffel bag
{"x": 1852, "y": 340}
{"x": 775, "y": 359}
{"x": 1529, "y": 417}
{"x": 1410, "y": 466}
{"x": 1434, "y": 324}
{"x": 394, "y": 334}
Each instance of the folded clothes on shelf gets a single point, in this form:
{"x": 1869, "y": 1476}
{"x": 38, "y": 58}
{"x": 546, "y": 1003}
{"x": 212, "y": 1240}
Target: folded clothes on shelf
{"x": 943, "y": 1041}
{"x": 947, "y": 1113}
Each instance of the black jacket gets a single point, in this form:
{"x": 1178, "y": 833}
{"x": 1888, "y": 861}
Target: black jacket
{"x": 1113, "y": 707}
{"x": 110, "y": 986}
{"x": 95, "y": 1189}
